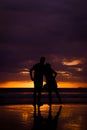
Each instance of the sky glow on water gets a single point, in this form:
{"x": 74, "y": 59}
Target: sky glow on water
{"x": 22, "y": 117}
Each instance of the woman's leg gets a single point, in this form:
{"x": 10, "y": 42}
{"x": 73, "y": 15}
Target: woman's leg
{"x": 58, "y": 95}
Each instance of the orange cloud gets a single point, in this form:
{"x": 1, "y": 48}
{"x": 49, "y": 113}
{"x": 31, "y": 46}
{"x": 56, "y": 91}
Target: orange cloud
{"x": 78, "y": 69}
{"x": 25, "y": 71}
{"x": 64, "y": 73}
{"x": 72, "y": 62}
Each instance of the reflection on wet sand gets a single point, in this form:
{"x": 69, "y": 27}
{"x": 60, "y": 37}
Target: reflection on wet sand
{"x": 27, "y": 117}
{"x": 41, "y": 123}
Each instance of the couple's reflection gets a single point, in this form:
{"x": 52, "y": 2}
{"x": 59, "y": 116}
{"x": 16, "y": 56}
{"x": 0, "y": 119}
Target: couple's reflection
{"x": 50, "y": 122}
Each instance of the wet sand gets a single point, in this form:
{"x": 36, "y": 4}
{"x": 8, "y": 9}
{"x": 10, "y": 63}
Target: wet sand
{"x": 56, "y": 117}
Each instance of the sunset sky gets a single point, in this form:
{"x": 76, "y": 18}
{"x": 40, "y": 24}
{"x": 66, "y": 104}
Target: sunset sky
{"x": 56, "y": 29}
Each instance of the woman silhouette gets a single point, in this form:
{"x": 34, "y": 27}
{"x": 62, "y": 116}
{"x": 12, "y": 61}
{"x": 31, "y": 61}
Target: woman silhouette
{"x": 51, "y": 84}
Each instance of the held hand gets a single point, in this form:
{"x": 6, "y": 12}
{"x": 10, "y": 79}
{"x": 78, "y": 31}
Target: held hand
{"x": 54, "y": 75}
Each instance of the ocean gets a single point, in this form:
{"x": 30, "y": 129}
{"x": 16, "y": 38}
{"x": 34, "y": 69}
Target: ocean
{"x": 25, "y": 96}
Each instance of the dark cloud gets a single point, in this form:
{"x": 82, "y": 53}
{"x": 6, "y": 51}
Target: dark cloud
{"x": 30, "y": 29}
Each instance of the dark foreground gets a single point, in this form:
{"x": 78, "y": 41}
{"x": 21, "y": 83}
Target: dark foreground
{"x": 56, "y": 117}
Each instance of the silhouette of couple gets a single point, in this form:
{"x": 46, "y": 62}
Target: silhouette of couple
{"x": 36, "y": 73}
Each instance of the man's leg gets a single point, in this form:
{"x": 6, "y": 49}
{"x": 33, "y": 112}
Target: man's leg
{"x": 50, "y": 96}
{"x": 39, "y": 97}
{"x": 34, "y": 102}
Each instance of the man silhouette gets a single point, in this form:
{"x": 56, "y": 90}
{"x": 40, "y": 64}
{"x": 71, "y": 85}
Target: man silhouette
{"x": 36, "y": 74}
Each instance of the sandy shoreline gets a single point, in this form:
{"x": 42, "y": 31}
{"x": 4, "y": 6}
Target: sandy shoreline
{"x": 22, "y": 117}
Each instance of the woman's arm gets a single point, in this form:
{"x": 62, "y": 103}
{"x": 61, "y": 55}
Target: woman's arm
{"x": 54, "y": 73}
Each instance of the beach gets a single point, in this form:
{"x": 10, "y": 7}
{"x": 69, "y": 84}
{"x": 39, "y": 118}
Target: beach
{"x": 18, "y": 113}
{"x": 61, "y": 117}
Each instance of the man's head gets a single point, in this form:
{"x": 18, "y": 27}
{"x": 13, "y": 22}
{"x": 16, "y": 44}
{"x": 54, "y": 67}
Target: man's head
{"x": 42, "y": 60}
